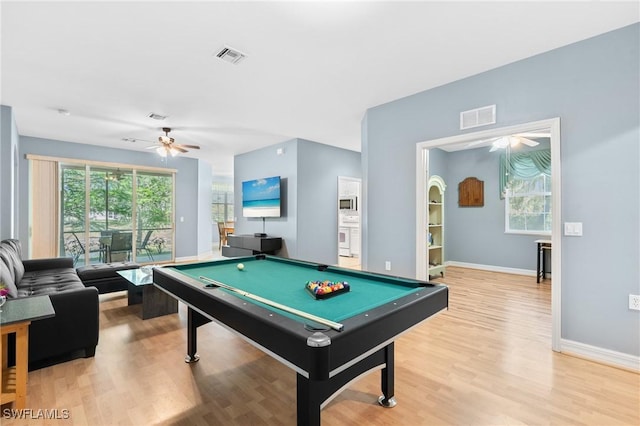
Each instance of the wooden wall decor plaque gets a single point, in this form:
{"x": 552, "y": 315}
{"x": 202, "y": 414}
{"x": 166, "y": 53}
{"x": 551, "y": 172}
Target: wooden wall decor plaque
{"x": 471, "y": 193}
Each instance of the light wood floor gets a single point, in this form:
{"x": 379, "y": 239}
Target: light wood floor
{"x": 485, "y": 361}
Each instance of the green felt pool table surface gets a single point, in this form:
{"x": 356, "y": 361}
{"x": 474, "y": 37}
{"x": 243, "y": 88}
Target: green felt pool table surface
{"x": 284, "y": 281}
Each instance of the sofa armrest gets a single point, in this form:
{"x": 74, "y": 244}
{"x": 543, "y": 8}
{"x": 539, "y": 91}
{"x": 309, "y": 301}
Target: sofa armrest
{"x": 75, "y": 326}
{"x": 50, "y": 263}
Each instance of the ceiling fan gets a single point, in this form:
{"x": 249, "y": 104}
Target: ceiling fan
{"x": 168, "y": 146}
{"x": 511, "y": 141}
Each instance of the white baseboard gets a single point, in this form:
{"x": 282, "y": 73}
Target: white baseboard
{"x": 187, "y": 259}
{"x": 604, "y": 356}
{"x": 492, "y": 268}
{"x": 205, "y": 255}
{"x": 201, "y": 256}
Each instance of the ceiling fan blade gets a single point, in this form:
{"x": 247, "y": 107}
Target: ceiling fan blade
{"x": 528, "y": 142}
{"x": 151, "y": 146}
{"x": 187, "y": 146}
{"x": 481, "y": 141}
{"x": 535, "y": 134}
{"x": 179, "y": 148}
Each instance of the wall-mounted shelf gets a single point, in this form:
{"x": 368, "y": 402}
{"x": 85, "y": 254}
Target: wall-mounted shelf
{"x": 248, "y": 245}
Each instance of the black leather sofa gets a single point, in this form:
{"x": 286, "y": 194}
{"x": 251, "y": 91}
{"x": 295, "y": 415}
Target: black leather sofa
{"x": 74, "y": 330}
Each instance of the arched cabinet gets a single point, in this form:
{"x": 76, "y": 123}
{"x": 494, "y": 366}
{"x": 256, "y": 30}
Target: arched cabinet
{"x": 435, "y": 226}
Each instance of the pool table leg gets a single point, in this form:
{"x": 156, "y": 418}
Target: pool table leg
{"x": 387, "y": 399}
{"x": 308, "y": 401}
{"x": 194, "y": 320}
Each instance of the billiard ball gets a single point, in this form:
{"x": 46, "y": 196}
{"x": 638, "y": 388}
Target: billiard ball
{"x": 240, "y": 266}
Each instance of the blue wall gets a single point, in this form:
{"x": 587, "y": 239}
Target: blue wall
{"x": 9, "y": 214}
{"x": 593, "y": 87}
{"x": 189, "y": 180}
{"x": 318, "y": 169}
{"x": 263, "y": 163}
{"x": 204, "y": 200}
{"x": 309, "y": 172}
{"x": 470, "y": 230}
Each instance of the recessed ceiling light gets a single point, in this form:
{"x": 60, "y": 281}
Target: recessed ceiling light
{"x": 64, "y": 112}
{"x": 157, "y": 116}
{"x": 129, "y": 139}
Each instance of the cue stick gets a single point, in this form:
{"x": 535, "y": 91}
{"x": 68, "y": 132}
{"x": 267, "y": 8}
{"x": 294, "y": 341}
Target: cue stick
{"x": 335, "y": 325}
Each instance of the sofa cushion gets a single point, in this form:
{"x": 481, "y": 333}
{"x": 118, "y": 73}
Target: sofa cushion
{"x": 49, "y": 282}
{"x": 6, "y": 278}
{"x": 99, "y": 271}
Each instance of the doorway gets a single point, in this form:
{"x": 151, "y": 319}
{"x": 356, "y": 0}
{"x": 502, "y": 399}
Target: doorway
{"x": 349, "y": 222}
{"x": 552, "y": 126}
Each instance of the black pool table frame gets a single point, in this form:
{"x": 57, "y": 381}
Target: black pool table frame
{"x": 326, "y": 361}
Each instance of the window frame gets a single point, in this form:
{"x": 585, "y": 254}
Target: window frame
{"x": 543, "y": 194}
{"x": 228, "y": 208}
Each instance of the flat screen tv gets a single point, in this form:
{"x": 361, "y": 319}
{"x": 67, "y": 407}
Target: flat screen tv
{"x": 261, "y": 197}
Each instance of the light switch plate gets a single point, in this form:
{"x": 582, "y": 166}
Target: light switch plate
{"x": 573, "y": 229}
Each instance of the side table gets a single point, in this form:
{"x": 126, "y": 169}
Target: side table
{"x": 541, "y": 269}
{"x": 155, "y": 302}
{"x": 15, "y": 317}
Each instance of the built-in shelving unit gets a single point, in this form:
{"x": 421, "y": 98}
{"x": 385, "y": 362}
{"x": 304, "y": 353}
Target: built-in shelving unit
{"x": 435, "y": 226}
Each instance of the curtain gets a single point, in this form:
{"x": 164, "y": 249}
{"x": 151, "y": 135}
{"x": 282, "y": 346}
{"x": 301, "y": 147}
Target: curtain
{"x": 44, "y": 208}
{"x": 524, "y": 165}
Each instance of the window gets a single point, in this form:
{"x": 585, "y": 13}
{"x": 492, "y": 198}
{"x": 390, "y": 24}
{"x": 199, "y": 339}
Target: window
{"x": 222, "y": 204}
{"x": 528, "y": 205}
{"x": 525, "y": 183}
{"x": 98, "y": 201}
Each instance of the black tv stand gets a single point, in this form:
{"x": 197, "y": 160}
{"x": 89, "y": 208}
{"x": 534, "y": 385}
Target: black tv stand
{"x": 260, "y": 235}
{"x": 249, "y": 245}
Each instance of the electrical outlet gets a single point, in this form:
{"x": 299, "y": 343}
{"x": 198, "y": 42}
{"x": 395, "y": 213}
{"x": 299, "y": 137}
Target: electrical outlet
{"x": 634, "y": 302}
{"x": 387, "y": 266}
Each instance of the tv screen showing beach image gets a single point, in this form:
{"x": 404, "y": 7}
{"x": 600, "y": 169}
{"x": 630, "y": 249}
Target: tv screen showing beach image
{"x": 261, "y": 197}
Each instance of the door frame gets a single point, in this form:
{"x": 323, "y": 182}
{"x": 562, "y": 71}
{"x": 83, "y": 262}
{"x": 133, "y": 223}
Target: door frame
{"x": 343, "y": 180}
{"x": 422, "y": 176}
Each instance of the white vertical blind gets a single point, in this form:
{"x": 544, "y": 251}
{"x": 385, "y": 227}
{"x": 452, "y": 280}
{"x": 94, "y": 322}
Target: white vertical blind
{"x": 43, "y": 200}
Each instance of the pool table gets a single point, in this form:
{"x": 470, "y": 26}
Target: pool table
{"x": 377, "y": 309}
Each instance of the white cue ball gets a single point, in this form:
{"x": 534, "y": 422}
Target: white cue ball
{"x": 240, "y": 266}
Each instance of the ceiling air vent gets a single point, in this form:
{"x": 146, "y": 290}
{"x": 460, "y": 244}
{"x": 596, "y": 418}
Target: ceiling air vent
{"x": 478, "y": 117}
{"x": 157, "y": 116}
{"x": 231, "y": 55}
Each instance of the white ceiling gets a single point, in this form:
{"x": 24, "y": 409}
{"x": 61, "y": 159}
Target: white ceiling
{"x": 313, "y": 68}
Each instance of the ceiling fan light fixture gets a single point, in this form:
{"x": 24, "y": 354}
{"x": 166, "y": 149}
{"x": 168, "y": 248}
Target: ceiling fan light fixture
{"x": 166, "y": 145}
{"x": 502, "y": 142}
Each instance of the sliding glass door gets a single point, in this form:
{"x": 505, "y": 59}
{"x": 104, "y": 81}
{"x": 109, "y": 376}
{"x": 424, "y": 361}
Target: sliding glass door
{"x": 73, "y": 202}
{"x": 154, "y": 217}
{"x": 115, "y": 214}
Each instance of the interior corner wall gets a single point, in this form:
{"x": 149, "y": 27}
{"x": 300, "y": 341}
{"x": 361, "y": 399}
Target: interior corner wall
{"x": 319, "y": 166}
{"x": 309, "y": 175}
{"x": 186, "y": 190}
{"x": 593, "y": 86}
{"x": 9, "y": 217}
{"x": 262, "y": 163}
{"x": 204, "y": 221}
